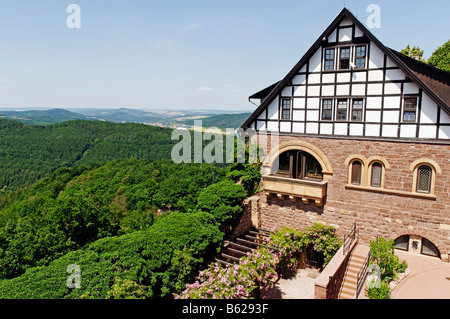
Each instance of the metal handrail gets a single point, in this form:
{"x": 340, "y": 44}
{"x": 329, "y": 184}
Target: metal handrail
{"x": 362, "y": 274}
{"x": 349, "y": 238}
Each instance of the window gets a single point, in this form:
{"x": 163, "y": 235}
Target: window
{"x": 377, "y": 170}
{"x": 360, "y": 57}
{"x": 409, "y": 109}
{"x": 357, "y": 110}
{"x": 356, "y": 173}
{"x": 284, "y": 163}
{"x": 344, "y": 59}
{"x": 341, "y": 110}
{"x": 327, "y": 106}
{"x": 299, "y": 165}
{"x": 329, "y": 59}
{"x": 424, "y": 176}
{"x": 285, "y": 109}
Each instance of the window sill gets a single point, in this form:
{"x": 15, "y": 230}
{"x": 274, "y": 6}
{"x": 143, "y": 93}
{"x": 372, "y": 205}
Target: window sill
{"x": 304, "y": 189}
{"x": 391, "y": 192}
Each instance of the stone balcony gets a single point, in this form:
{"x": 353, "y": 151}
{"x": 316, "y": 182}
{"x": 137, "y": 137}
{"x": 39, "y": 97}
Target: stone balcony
{"x": 306, "y": 190}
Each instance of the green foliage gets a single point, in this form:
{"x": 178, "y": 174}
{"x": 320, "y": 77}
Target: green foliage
{"x": 441, "y": 57}
{"x": 383, "y": 292}
{"x": 29, "y": 153}
{"x": 125, "y": 289}
{"x": 246, "y": 169}
{"x": 255, "y": 271}
{"x": 382, "y": 254}
{"x": 77, "y": 206}
{"x": 324, "y": 239}
{"x": 223, "y": 200}
{"x": 414, "y": 51}
{"x": 150, "y": 264}
{"x": 290, "y": 244}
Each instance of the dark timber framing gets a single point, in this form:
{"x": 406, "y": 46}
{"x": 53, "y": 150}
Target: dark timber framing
{"x": 312, "y": 121}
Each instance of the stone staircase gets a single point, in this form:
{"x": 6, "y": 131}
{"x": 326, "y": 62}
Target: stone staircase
{"x": 356, "y": 262}
{"x": 233, "y": 250}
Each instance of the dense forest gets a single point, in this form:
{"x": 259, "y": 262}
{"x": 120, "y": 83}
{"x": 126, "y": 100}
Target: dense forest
{"x": 31, "y": 152}
{"x": 107, "y": 197}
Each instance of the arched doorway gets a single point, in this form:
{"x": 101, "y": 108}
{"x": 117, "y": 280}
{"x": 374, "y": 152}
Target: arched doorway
{"x": 417, "y": 245}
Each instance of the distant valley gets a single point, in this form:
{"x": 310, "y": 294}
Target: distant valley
{"x": 163, "y": 118}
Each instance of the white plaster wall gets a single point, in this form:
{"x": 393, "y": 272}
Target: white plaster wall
{"x": 285, "y": 126}
{"x": 390, "y": 130}
{"x": 444, "y": 132}
{"x": 356, "y": 129}
{"x": 376, "y": 57}
{"x": 373, "y": 102}
{"x": 410, "y": 88}
{"x": 312, "y": 115}
{"x": 340, "y": 129}
{"x": 312, "y": 128}
{"x": 408, "y": 131}
{"x": 298, "y": 115}
{"x": 313, "y": 103}
{"x": 326, "y": 128}
{"x": 272, "y": 126}
{"x": 272, "y": 110}
{"x": 315, "y": 62}
{"x": 429, "y": 110}
{"x": 299, "y": 103}
{"x": 298, "y": 127}
{"x": 390, "y": 117}
{"x": 345, "y": 34}
{"x": 300, "y": 91}
{"x": 372, "y": 130}
{"x": 373, "y": 116}
{"x": 299, "y": 79}
{"x": 428, "y": 131}
{"x": 392, "y": 75}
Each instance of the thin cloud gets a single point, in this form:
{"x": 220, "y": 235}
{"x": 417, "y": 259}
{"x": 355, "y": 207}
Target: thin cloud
{"x": 204, "y": 89}
{"x": 193, "y": 26}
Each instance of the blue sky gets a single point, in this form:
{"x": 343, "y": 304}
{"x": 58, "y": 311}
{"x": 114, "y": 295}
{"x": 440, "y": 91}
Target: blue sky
{"x": 177, "y": 54}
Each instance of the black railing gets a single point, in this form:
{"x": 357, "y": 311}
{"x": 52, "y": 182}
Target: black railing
{"x": 362, "y": 275}
{"x": 350, "y": 238}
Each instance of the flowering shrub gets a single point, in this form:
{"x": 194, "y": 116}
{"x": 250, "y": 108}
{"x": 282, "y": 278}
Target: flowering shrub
{"x": 324, "y": 239}
{"x": 290, "y": 243}
{"x": 255, "y": 271}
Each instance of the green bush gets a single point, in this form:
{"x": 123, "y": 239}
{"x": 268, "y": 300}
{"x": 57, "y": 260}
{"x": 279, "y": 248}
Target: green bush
{"x": 223, "y": 200}
{"x": 382, "y": 254}
{"x": 149, "y": 264}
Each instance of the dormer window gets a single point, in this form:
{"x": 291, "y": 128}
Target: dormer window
{"x": 344, "y": 59}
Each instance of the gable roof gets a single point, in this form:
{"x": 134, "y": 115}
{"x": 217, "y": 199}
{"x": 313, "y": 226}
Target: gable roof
{"x": 411, "y": 69}
{"x": 436, "y": 79}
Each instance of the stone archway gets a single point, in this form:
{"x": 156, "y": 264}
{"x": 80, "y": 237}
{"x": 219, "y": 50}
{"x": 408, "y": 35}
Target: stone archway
{"x": 417, "y": 244}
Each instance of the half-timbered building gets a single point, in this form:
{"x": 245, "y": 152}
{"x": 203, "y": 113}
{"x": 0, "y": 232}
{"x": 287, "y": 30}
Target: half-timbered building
{"x": 363, "y": 136}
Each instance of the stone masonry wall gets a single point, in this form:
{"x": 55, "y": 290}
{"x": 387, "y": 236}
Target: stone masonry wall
{"x": 386, "y": 215}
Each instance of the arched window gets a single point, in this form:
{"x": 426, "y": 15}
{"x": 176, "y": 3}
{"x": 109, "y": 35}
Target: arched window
{"x": 299, "y": 165}
{"x": 376, "y": 175}
{"x": 356, "y": 173}
{"x": 424, "y": 177}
